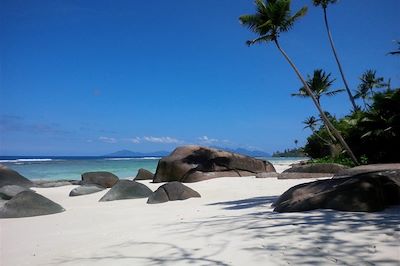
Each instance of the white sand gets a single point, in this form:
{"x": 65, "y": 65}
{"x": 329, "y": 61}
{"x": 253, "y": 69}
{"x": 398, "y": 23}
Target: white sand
{"x": 232, "y": 224}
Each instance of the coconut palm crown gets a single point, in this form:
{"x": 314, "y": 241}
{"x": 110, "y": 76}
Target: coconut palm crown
{"x": 272, "y": 18}
{"x": 323, "y": 3}
{"x": 320, "y": 84}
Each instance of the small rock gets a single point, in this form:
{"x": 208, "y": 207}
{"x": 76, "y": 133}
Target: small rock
{"x": 27, "y": 204}
{"x": 85, "y": 189}
{"x": 144, "y": 174}
{"x": 126, "y": 189}
{"x": 172, "y": 191}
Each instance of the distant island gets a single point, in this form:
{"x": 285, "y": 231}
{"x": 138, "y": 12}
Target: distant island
{"x": 298, "y": 152}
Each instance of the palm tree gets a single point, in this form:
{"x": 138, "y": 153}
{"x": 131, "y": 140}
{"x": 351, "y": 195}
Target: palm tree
{"x": 324, "y": 4}
{"x": 312, "y": 123}
{"x": 369, "y": 82}
{"x": 272, "y": 18}
{"x": 320, "y": 84}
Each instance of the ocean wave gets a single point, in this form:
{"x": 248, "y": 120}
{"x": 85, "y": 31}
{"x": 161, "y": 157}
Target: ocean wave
{"x": 25, "y": 160}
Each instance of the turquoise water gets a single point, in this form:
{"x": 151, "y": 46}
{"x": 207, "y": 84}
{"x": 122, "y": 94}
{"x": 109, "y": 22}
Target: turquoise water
{"x": 56, "y": 168}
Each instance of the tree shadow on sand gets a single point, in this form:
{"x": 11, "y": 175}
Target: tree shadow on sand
{"x": 161, "y": 253}
{"x": 310, "y": 238}
{"x": 246, "y": 203}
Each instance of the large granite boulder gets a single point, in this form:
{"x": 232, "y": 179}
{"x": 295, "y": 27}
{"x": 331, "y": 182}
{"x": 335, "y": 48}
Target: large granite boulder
{"x": 9, "y": 191}
{"x": 285, "y": 175}
{"x": 102, "y": 178}
{"x": 172, "y": 191}
{"x": 126, "y": 189}
{"x": 328, "y": 168}
{"x": 144, "y": 174}
{"x": 367, "y": 192}
{"x": 367, "y": 168}
{"x": 29, "y": 203}
{"x": 85, "y": 189}
{"x": 11, "y": 177}
{"x": 195, "y": 163}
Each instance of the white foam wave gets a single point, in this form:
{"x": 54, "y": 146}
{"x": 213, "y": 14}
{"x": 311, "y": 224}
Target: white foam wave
{"x": 25, "y": 160}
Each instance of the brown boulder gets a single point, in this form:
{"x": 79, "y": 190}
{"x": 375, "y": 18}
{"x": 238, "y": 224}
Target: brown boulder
{"x": 367, "y": 168}
{"x": 101, "y": 178}
{"x": 330, "y": 168}
{"x": 172, "y": 191}
{"x": 367, "y": 192}
{"x": 144, "y": 174}
{"x": 195, "y": 163}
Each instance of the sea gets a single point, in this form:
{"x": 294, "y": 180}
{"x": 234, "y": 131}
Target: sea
{"x": 71, "y": 167}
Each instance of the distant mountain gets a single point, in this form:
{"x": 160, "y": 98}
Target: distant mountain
{"x": 252, "y": 153}
{"x": 127, "y": 153}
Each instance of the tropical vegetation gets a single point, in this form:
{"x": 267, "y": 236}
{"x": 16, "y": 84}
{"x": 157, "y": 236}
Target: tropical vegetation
{"x": 371, "y": 130}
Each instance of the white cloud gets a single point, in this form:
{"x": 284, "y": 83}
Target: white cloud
{"x": 135, "y": 140}
{"x": 107, "y": 139}
{"x": 161, "y": 139}
{"x": 207, "y": 140}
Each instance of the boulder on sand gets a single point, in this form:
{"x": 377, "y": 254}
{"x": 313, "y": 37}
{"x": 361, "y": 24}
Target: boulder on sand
{"x": 101, "y": 178}
{"x": 11, "y": 177}
{"x": 328, "y": 168}
{"x": 9, "y": 191}
{"x": 29, "y": 203}
{"x": 126, "y": 189}
{"x": 195, "y": 163}
{"x": 367, "y": 192}
{"x": 172, "y": 191}
{"x": 367, "y": 168}
{"x": 85, "y": 189}
{"x": 144, "y": 174}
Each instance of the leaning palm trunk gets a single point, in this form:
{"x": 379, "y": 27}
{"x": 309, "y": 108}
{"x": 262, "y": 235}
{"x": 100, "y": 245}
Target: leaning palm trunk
{"x": 323, "y": 116}
{"x": 338, "y": 62}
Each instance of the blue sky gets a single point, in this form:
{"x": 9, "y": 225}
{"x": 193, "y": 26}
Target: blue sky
{"x": 92, "y": 77}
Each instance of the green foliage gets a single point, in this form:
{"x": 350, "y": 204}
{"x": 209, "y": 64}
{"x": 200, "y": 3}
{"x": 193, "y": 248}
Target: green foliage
{"x": 342, "y": 159}
{"x": 320, "y": 84}
{"x": 272, "y": 17}
{"x": 323, "y": 3}
{"x": 298, "y": 152}
{"x": 373, "y": 133}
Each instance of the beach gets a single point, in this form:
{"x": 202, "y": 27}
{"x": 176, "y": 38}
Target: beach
{"x": 232, "y": 223}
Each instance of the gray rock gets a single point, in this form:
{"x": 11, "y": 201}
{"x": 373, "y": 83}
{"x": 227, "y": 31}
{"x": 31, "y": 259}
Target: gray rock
{"x": 126, "y": 189}
{"x": 267, "y": 175}
{"x": 303, "y": 175}
{"x": 316, "y": 168}
{"x": 29, "y": 203}
{"x": 144, "y": 174}
{"x": 195, "y": 163}
{"x": 172, "y": 191}
{"x": 367, "y": 192}
{"x": 367, "y": 168}
{"x": 104, "y": 179}
{"x": 11, "y": 177}
{"x": 9, "y": 191}
{"x": 85, "y": 189}
{"x": 52, "y": 183}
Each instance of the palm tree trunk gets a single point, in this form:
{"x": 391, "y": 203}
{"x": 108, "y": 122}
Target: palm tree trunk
{"x": 327, "y": 128}
{"x": 338, "y": 62}
{"x": 323, "y": 116}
